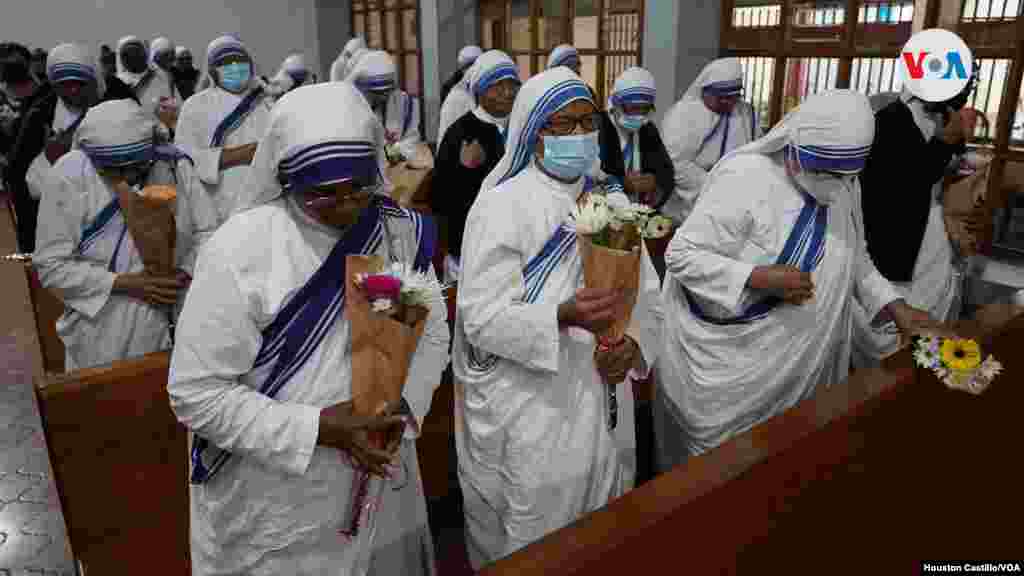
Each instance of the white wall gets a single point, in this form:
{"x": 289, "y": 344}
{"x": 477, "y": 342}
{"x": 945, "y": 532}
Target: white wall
{"x": 271, "y": 29}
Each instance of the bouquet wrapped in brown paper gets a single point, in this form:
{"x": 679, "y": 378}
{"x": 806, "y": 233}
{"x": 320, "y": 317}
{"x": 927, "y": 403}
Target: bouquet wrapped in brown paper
{"x": 387, "y": 309}
{"x": 610, "y": 231}
{"x": 150, "y": 219}
{"x": 406, "y": 177}
{"x": 961, "y": 200}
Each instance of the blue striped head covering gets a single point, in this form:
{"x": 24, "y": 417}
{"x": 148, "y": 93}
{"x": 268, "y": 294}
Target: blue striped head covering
{"x": 830, "y": 131}
{"x": 374, "y": 72}
{"x": 116, "y": 133}
{"x": 540, "y": 97}
{"x": 490, "y": 68}
{"x": 634, "y": 86}
{"x": 468, "y": 55}
{"x": 721, "y": 77}
{"x": 307, "y": 144}
{"x": 563, "y": 55}
{"x": 224, "y": 47}
{"x": 71, "y": 62}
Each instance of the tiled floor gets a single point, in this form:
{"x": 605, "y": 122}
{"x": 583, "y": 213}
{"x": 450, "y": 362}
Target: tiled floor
{"x": 32, "y": 535}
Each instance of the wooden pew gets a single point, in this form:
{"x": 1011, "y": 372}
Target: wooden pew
{"x": 872, "y": 476}
{"x": 118, "y": 454}
{"x": 120, "y": 464}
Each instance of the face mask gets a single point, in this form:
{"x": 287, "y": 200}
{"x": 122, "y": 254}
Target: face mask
{"x": 632, "y": 122}
{"x": 568, "y": 157}
{"x": 234, "y": 77}
{"x": 823, "y": 186}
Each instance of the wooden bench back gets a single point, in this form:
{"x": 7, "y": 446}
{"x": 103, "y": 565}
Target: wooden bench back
{"x": 872, "y": 476}
{"x": 119, "y": 459}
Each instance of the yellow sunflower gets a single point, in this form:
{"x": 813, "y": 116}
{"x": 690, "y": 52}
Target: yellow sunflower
{"x": 961, "y": 355}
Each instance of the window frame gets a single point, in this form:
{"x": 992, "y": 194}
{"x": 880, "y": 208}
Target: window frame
{"x": 538, "y": 55}
{"x": 995, "y": 39}
{"x": 398, "y": 7}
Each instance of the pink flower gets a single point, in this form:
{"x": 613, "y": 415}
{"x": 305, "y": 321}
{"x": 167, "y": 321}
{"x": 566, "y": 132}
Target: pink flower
{"x": 381, "y": 287}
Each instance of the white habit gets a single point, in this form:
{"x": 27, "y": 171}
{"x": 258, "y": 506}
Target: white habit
{"x": 531, "y": 412}
{"x": 276, "y": 507}
{"x": 721, "y": 380}
{"x": 696, "y": 138}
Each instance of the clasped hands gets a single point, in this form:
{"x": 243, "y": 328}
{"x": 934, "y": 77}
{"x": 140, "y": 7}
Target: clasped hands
{"x": 342, "y": 429}
{"x": 594, "y": 310}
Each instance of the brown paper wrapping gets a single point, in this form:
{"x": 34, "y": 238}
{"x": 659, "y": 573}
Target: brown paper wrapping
{"x": 150, "y": 220}
{"x": 382, "y": 348}
{"x": 406, "y": 177}
{"x": 605, "y": 268}
{"x": 958, "y": 204}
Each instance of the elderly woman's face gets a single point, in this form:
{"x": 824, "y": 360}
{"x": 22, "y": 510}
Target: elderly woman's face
{"x": 500, "y": 97}
{"x": 337, "y": 205}
{"x": 720, "y": 104}
{"x": 579, "y": 117}
{"x": 77, "y": 94}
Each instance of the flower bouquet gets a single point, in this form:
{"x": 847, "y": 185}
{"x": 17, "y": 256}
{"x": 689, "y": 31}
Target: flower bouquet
{"x": 149, "y": 214}
{"x": 387, "y": 308}
{"x": 611, "y": 230}
{"x": 957, "y": 362}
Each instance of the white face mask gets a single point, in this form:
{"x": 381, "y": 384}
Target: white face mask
{"x": 825, "y": 187}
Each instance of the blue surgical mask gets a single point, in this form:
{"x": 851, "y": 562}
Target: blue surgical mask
{"x": 235, "y": 77}
{"x": 632, "y": 122}
{"x": 569, "y": 157}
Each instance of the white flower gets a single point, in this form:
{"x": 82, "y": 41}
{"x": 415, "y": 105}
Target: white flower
{"x": 923, "y": 358}
{"x": 990, "y": 368}
{"x": 591, "y": 218}
{"x": 657, "y": 226}
{"x": 381, "y": 305}
{"x": 418, "y": 288}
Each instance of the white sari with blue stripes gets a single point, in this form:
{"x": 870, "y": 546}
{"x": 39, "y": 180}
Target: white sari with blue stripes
{"x": 734, "y": 358}
{"x": 210, "y": 121}
{"x": 535, "y": 452}
{"x": 83, "y": 243}
{"x": 696, "y": 138}
{"x": 274, "y": 501}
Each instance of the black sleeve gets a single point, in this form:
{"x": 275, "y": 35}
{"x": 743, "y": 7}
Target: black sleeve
{"x": 31, "y": 138}
{"x": 118, "y": 90}
{"x": 445, "y": 165}
{"x": 655, "y": 160}
{"x": 611, "y": 151}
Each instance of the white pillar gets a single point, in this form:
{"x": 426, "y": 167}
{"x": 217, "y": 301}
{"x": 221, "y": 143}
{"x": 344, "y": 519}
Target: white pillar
{"x": 679, "y": 39}
{"x": 445, "y": 27}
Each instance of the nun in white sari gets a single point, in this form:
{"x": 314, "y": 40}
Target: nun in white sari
{"x": 375, "y": 76}
{"x": 339, "y": 67}
{"x": 84, "y": 252}
{"x": 220, "y": 127}
{"x": 263, "y": 359}
{"x": 66, "y": 63}
{"x": 710, "y": 121}
{"x": 292, "y": 74}
{"x": 150, "y": 83}
{"x": 532, "y": 415}
{"x": 762, "y": 279}
{"x": 459, "y": 101}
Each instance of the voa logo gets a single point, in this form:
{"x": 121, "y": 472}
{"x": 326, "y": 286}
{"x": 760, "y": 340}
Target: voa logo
{"x": 936, "y": 65}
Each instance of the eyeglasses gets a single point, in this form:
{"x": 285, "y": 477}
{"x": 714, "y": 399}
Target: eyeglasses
{"x": 565, "y": 126}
